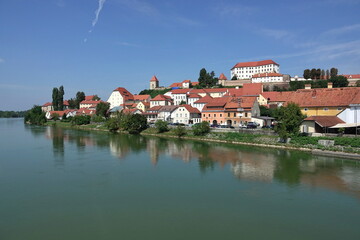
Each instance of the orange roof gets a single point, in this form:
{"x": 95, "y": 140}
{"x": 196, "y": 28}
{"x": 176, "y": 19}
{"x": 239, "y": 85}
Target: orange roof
{"x": 180, "y": 91}
{"x": 254, "y": 64}
{"x": 325, "y": 97}
{"x": 240, "y": 102}
{"x": 252, "y": 88}
{"x": 125, "y": 93}
{"x": 88, "y": 98}
{"x": 197, "y": 91}
{"x": 141, "y": 97}
{"x": 190, "y": 109}
{"x": 186, "y": 81}
{"x": 194, "y": 95}
{"x": 154, "y": 78}
{"x": 47, "y": 104}
{"x": 161, "y": 97}
{"x": 277, "y": 96}
{"x": 130, "y": 110}
{"x": 216, "y": 90}
{"x": 155, "y": 108}
{"x": 90, "y": 102}
{"x": 260, "y": 75}
{"x": 176, "y": 85}
{"x": 351, "y": 76}
{"x": 325, "y": 121}
{"x": 194, "y": 83}
{"x": 222, "y": 77}
{"x": 204, "y": 99}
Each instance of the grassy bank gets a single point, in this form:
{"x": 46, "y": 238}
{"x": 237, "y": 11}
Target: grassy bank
{"x": 342, "y": 144}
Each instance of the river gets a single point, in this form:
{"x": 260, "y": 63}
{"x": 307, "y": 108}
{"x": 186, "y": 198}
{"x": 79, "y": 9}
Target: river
{"x": 68, "y": 184}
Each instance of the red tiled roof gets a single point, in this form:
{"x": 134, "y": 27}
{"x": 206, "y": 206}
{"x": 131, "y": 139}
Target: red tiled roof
{"x": 47, "y": 104}
{"x": 197, "y": 91}
{"x": 161, "y": 97}
{"x": 260, "y": 75}
{"x": 254, "y": 64}
{"x": 204, "y": 99}
{"x": 277, "y": 96}
{"x": 141, "y": 97}
{"x": 125, "y": 93}
{"x": 168, "y": 108}
{"x": 154, "y": 78}
{"x": 194, "y": 83}
{"x": 155, "y": 108}
{"x": 85, "y": 111}
{"x": 240, "y": 102}
{"x": 180, "y": 91}
{"x": 130, "y": 110}
{"x": 252, "y": 88}
{"x": 222, "y": 77}
{"x": 190, "y": 109}
{"x": 88, "y": 98}
{"x": 351, "y": 76}
{"x": 325, "y": 121}
{"x": 194, "y": 95}
{"x": 186, "y": 81}
{"x": 216, "y": 90}
{"x": 90, "y": 102}
{"x": 176, "y": 85}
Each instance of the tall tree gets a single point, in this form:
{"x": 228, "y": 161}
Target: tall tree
{"x": 61, "y": 98}
{"x": 207, "y": 79}
{"x": 55, "y": 98}
{"x": 102, "y": 109}
{"x": 289, "y": 118}
{"x": 339, "y": 81}
{"x": 318, "y": 73}
{"x": 333, "y": 72}
{"x": 313, "y": 73}
{"x": 322, "y": 74}
{"x": 80, "y": 96}
{"x": 306, "y": 74}
{"x": 327, "y": 74}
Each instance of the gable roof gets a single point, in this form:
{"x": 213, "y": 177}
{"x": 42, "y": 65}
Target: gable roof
{"x": 161, "y": 97}
{"x": 241, "y": 102}
{"x": 254, "y": 64}
{"x": 194, "y": 95}
{"x": 124, "y": 93}
{"x": 180, "y": 91}
{"x": 174, "y": 85}
{"x": 190, "y": 109}
{"x": 154, "y": 78}
{"x": 325, "y": 121}
{"x": 141, "y": 97}
{"x": 351, "y": 76}
{"x": 222, "y": 77}
{"x": 168, "y": 108}
{"x": 89, "y": 98}
{"x": 204, "y": 99}
{"x": 277, "y": 96}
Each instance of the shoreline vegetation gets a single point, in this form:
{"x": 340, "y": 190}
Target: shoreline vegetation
{"x": 344, "y": 147}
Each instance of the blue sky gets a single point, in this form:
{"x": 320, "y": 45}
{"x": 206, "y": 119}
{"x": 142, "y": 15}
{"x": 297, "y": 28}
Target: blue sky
{"x": 49, "y": 43}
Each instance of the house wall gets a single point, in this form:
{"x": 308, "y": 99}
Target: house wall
{"x": 210, "y": 116}
{"x": 115, "y": 99}
{"x": 350, "y": 115}
{"x": 307, "y": 127}
{"x": 321, "y": 111}
{"x": 248, "y": 72}
{"x": 181, "y": 115}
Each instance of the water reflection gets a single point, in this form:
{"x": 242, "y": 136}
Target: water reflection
{"x": 245, "y": 163}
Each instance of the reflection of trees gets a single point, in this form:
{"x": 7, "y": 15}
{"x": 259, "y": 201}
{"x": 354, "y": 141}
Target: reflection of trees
{"x": 205, "y": 161}
{"x": 122, "y": 144}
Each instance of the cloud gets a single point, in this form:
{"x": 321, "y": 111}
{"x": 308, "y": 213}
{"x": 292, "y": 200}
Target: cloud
{"x": 97, "y": 12}
{"x": 127, "y": 44}
{"x": 276, "y": 33}
{"x": 342, "y": 30}
{"x": 2, "y": 60}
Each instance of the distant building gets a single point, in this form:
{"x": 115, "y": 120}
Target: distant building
{"x": 245, "y": 70}
{"x": 154, "y": 83}
{"x": 119, "y": 97}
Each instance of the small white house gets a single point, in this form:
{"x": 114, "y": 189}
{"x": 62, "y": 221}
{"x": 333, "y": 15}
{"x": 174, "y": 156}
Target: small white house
{"x": 186, "y": 114}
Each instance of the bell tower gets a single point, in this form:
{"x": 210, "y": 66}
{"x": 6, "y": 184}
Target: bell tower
{"x": 154, "y": 83}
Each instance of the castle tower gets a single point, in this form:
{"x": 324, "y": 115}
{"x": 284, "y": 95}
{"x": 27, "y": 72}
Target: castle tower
{"x": 154, "y": 83}
{"x": 222, "y": 79}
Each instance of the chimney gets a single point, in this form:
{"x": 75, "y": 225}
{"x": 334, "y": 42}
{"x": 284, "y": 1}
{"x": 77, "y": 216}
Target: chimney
{"x": 307, "y": 86}
{"x": 330, "y": 85}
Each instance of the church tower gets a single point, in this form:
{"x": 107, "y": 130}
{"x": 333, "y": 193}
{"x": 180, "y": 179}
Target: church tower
{"x": 154, "y": 83}
{"x": 222, "y": 79}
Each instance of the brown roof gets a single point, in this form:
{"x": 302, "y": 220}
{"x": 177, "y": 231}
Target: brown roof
{"x": 154, "y": 78}
{"x": 240, "y": 102}
{"x": 190, "y": 109}
{"x": 141, "y": 97}
{"x": 125, "y": 93}
{"x": 254, "y": 64}
{"x": 161, "y": 97}
{"x": 204, "y": 99}
{"x": 222, "y": 77}
{"x": 168, "y": 108}
{"x": 325, "y": 121}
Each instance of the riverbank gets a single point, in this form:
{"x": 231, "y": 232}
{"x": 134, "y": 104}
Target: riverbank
{"x": 342, "y": 147}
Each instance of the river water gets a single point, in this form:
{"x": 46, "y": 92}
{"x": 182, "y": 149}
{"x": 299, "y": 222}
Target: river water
{"x": 66, "y": 184}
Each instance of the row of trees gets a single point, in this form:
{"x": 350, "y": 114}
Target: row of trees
{"x": 320, "y": 73}
{"x": 58, "y": 98}
{"x": 12, "y": 114}
{"x": 337, "y": 81}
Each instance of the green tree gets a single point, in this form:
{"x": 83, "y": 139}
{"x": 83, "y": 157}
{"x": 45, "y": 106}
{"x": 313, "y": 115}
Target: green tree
{"x": 35, "y": 116}
{"x": 114, "y": 123}
{"x": 207, "y": 79}
{"x": 339, "y": 81}
{"x": 61, "y": 93}
{"x": 55, "y": 98}
{"x": 327, "y": 74}
{"x": 80, "y": 96}
{"x": 102, "y": 109}
{"x": 95, "y": 98}
{"x": 234, "y": 77}
{"x": 134, "y": 123}
{"x": 318, "y": 73}
{"x": 80, "y": 120}
{"x": 306, "y": 74}
{"x": 179, "y": 131}
{"x": 55, "y": 116}
{"x": 333, "y": 72}
{"x": 289, "y": 120}
{"x": 313, "y": 73}
{"x": 161, "y": 126}
{"x": 200, "y": 129}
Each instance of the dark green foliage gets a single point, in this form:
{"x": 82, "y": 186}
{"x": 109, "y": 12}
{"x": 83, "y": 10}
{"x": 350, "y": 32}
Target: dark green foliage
{"x": 269, "y": 112}
{"x": 80, "y": 96}
{"x": 134, "y": 123}
{"x": 55, "y": 117}
{"x": 35, "y": 116}
{"x": 201, "y": 129}
{"x": 161, "y": 126}
{"x": 289, "y": 120}
{"x": 333, "y": 72}
{"x": 154, "y": 93}
{"x": 102, "y": 109}
{"x": 339, "y": 81}
{"x": 295, "y": 85}
{"x": 72, "y": 103}
{"x": 12, "y": 114}
{"x": 206, "y": 79}
{"x": 95, "y": 98}
{"x": 113, "y": 124}
{"x": 234, "y": 77}
{"x": 319, "y": 84}
{"x": 58, "y": 98}
{"x": 179, "y": 131}
{"x": 81, "y": 120}
{"x": 97, "y": 119}
{"x": 306, "y": 74}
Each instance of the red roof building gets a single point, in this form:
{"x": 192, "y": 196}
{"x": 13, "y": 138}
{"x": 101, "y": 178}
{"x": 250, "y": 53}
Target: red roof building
{"x": 245, "y": 70}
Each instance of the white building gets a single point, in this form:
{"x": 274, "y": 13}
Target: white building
{"x": 245, "y": 70}
{"x": 119, "y": 96}
{"x": 267, "y": 77}
{"x": 186, "y": 114}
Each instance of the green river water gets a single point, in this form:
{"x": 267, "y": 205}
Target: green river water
{"x": 66, "y": 184}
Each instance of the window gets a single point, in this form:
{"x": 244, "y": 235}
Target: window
{"x": 326, "y": 109}
{"x": 220, "y": 115}
{"x": 209, "y": 114}
{"x": 234, "y": 114}
{"x": 245, "y": 114}
{"x": 339, "y": 109}
{"x": 228, "y": 114}
{"x": 215, "y": 115}
{"x": 305, "y": 109}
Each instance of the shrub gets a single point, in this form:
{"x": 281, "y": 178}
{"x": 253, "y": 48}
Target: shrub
{"x": 97, "y": 119}
{"x": 80, "y": 120}
{"x": 161, "y": 126}
{"x": 200, "y": 129}
{"x": 179, "y": 131}
{"x": 35, "y": 116}
{"x": 134, "y": 123}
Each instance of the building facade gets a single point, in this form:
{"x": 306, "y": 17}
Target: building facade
{"x": 245, "y": 70}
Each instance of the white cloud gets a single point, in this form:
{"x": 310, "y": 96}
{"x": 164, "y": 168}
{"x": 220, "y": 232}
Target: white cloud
{"x": 127, "y": 44}
{"x": 342, "y": 30}
{"x": 97, "y": 12}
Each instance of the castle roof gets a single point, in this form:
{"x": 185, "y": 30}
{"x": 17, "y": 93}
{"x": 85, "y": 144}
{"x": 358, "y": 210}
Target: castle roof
{"x": 254, "y": 64}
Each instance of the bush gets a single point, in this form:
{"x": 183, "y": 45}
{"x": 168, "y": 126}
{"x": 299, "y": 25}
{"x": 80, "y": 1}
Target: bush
{"x": 134, "y": 123}
{"x": 80, "y": 120}
{"x": 35, "y": 116}
{"x": 97, "y": 119}
{"x": 200, "y": 129}
{"x": 179, "y": 131}
{"x": 161, "y": 126}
